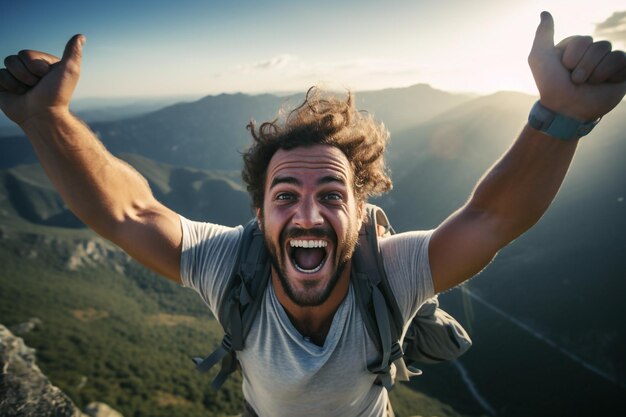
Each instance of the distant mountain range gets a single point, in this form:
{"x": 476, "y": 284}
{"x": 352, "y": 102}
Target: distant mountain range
{"x": 546, "y": 316}
{"x": 210, "y": 133}
{"x": 98, "y": 109}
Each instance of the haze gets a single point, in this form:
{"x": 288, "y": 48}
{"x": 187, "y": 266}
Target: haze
{"x": 192, "y": 47}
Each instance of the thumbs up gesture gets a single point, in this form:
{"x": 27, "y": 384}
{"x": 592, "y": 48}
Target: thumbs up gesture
{"x": 36, "y": 83}
{"x": 577, "y": 77}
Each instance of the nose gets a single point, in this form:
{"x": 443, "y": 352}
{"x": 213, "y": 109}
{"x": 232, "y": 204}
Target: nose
{"x": 308, "y": 214}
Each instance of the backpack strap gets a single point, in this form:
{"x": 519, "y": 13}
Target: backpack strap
{"x": 243, "y": 297}
{"x": 379, "y": 309}
{"x": 433, "y": 335}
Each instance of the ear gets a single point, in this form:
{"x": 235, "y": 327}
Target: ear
{"x": 259, "y": 216}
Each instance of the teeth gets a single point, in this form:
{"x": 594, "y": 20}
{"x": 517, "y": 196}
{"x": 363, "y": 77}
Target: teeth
{"x": 308, "y": 243}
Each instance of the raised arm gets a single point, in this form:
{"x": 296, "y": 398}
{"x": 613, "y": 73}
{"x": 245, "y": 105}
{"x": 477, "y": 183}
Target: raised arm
{"x": 104, "y": 192}
{"x": 578, "y": 79}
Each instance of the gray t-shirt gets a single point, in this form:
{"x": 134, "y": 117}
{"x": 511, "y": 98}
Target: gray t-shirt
{"x": 283, "y": 373}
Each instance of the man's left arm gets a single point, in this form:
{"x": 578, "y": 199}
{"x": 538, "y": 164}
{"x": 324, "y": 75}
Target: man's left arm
{"x": 578, "y": 79}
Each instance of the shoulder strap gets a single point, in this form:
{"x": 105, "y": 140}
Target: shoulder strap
{"x": 243, "y": 296}
{"x": 247, "y": 285}
{"x": 379, "y": 309}
{"x": 433, "y": 336}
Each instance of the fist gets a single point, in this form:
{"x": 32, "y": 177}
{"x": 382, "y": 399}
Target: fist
{"x": 578, "y": 77}
{"x": 35, "y": 82}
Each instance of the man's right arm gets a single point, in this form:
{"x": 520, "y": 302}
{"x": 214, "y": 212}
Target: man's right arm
{"x": 104, "y": 192}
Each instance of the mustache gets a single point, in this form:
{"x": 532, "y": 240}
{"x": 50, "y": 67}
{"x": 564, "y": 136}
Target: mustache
{"x": 319, "y": 232}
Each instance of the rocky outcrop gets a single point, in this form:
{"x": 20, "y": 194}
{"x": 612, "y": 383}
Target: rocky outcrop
{"x": 75, "y": 253}
{"x": 28, "y": 326}
{"x": 26, "y": 392}
{"x": 94, "y": 252}
{"x": 97, "y": 409}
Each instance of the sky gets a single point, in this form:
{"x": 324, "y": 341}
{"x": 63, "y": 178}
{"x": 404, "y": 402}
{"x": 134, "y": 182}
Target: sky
{"x": 194, "y": 48}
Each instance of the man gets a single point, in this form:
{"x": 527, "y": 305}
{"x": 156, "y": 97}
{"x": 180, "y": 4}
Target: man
{"x": 309, "y": 177}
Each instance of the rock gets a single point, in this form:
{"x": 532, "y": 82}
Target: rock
{"x": 94, "y": 252}
{"x": 82, "y": 382}
{"x": 96, "y": 409}
{"x": 28, "y": 326}
{"x": 25, "y": 390}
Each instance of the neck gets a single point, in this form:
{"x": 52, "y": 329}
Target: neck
{"x": 313, "y": 322}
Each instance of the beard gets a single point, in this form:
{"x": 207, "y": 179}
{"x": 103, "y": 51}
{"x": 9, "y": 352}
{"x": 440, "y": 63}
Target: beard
{"x": 311, "y": 295}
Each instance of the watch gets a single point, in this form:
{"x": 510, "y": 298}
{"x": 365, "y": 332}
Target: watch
{"x": 557, "y": 125}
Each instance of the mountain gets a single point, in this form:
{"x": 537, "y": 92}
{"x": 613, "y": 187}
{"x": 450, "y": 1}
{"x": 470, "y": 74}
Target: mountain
{"x": 211, "y": 132}
{"x": 404, "y": 108}
{"x": 207, "y": 133}
{"x": 204, "y": 134}
{"x": 195, "y": 193}
{"x": 436, "y": 164}
{"x": 97, "y": 109}
{"x": 27, "y": 194}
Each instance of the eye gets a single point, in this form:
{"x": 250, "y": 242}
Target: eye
{"x": 284, "y": 197}
{"x": 334, "y": 196}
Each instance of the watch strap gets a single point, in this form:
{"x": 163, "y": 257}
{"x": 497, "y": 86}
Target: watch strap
{"x": 558, "y": 125}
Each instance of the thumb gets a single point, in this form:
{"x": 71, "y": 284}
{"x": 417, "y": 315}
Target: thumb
{"x": 74, "y": 50}
{"x": 544, "y": 37}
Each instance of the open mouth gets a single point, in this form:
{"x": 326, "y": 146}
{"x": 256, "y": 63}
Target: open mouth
{"x": 308, "y": 256}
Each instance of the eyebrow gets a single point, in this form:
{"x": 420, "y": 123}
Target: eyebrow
{"x": 293, "y": 180}
{"x": 330, "y": 179}
{"x": 285, "y": 180}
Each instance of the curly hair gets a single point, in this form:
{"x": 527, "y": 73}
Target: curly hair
{"x": 321, "y": 119}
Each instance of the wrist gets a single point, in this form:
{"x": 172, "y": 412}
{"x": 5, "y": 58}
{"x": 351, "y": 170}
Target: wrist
{"x": 565, "y": 108}
{"x": 558, "y": 125}
{"x": 46, "y": 117}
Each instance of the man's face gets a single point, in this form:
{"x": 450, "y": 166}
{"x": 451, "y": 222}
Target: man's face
{"x": 310, "y": 220}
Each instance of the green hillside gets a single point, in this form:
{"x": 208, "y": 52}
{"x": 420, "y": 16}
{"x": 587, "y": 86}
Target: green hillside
{"x": 27, "y": 196}
{"x": 111, "y": 331}
{"x": 194, "y": 193}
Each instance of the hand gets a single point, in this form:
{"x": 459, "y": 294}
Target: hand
{"x": 35, "y": 83}
{"x": 579, "y": 78}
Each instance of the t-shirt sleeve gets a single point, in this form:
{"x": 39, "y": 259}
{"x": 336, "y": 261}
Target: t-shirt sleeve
{"x": 208, "y": 257}
{"x": 406, "y": 262}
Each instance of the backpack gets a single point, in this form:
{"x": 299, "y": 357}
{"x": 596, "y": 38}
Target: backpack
{"x": 433, "y": 336}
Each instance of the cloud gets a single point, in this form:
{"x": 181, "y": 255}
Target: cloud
{"x": 290, "y": 72}
{"x": 277, "y": 62}
{"x": 613, "y": 28}
{"x": 292, "y": 65}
